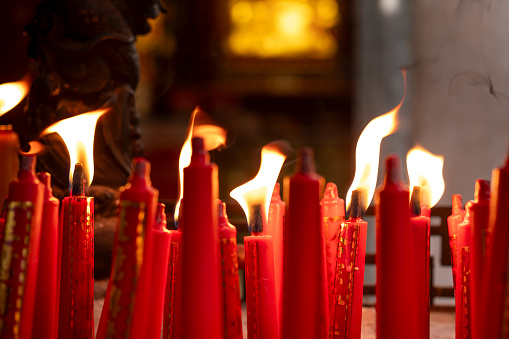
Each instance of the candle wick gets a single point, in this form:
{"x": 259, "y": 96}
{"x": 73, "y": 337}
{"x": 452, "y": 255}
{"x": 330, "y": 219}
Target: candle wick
{"x": 355, "y": 211}
{"x": 256, "y": 219}
{"x": 415, "y": 201}
{"x": 78, "y": 181}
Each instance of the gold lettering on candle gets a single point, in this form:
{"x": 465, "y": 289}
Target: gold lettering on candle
{"x": 124, "y": 270}
{"x": 174, "y": 257}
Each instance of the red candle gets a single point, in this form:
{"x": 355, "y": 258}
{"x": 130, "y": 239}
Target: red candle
{"x": 333, "y": 215}
{"x": 496, "y": 303}
{"x": 305, "y": 303}
{"x": 260, "y": 283}
{"x": 9, "y": 146}
{"x": 452, "y": 223}
{"x": 46, "y": 305}
{"x": 126, "y": 306}
{"x": 159, "y": 254}
{"x": 396, "y": 311}
{"x": 420, "y": 223}
{"x": 480, "y": 213}
{"x": 76, "y": 310}
{"x": 232, "y": 311}
{"x": 274, "y": 228}
{"x": 201, "y": 289}
{"x": 346, "y": 311}
{"x": 20, "y": 253}
{"x": 463, "y": 319}
{"x": 172, "y": 297}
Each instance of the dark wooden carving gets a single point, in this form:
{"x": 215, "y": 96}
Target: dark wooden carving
{"x": 87, "y": 60}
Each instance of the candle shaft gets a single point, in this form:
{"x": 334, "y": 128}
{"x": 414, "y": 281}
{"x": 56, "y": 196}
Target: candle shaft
{"x": 232, "y": 311}
{"x": 274, "y": 228}
{"x": 396, "y": 311}
{"x": 172, "y": 297}
{"x": 480, "y": 215}
{"x": 305, "y": 309}
{"x": 463, "y": 278}
{"x": 48, "y": 280}
{"x": 20, "y": 253}
{"x": 201, "y": 291}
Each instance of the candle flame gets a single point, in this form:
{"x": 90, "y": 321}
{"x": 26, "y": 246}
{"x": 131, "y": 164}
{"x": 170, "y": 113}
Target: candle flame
{"x": 33, "y": 148}
{"x": 78, "y": 135}
{"x": 259, "y": 190}
{"x": 213, "y": 137}
{"x": 11, "y": 94}
{"x": 367, "y": 154}
{"x": 425, "y": 170}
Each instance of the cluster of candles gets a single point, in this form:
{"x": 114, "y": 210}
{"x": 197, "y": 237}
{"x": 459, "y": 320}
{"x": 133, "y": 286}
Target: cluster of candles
{"x": 304, "y": 260}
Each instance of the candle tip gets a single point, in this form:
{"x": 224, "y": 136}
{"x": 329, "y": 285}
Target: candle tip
{"x": 255, "y": 224}
{"x": 331, "y": 190}
{"x": 276, "y": 193}
{"x": 78, "y": 181}
{"x": 482, "y": 190}
{"x": 355, "y": 204}
{"x": 392, "y": 169}
{"x": 160, "y": 223}
{"x": 457, "y": 203}
{"x": 28, "y": 163}
{"x": 306, "y": 161}
{"x": 415, "y": 201}
{"x": 199, "y": 154}
{"x": 141, "y": 168}
{"x": 468, "y": 210}
{"x": 45, "y": 179}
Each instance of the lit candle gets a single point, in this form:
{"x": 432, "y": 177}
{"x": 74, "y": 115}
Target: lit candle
{"x": 46, "y": 300}
{"x": 201, "y": 289}
{"x": 76, "y": 310}
{"x": 463, "y": 281}
{"x": 172, "y": 298}
{"x": 346, "y": 311}
{"x": 260, "y": 283}
{"x": 20, "y": 253}
{"x": 274, "y": 228}
{"x": 480, "y": 211}
{"x": 396, "y": 311}
{"x": 452, "y": 224}
{"x": 9, "y": 146}
{"x": 126, "y": 306}
{"x": 333, "y": 214}
{"x": 305, "y": 302}
{"x": 496, "y": 302}
{"x": 232, "y": 311}
{"x": 420, "y": 223}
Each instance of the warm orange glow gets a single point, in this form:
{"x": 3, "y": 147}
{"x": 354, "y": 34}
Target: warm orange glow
{"x": 213, "y": 137}
{"x": 425, "y": 170}
{"x": 34, "y": 147}
{"x": 259, "y": 190}
{"x": 11, "y": 94}
{"x": 78, "y": 135}
{"x": 367, "y": 154}
{"x": 283, "y": 28}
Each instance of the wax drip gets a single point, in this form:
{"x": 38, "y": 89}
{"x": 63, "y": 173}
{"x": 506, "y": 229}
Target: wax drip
{"x": 256, "y": 219}
{"x": 457, "y": 203}
{"x": 160, "y": 223}
{"x": 415, "y": 201}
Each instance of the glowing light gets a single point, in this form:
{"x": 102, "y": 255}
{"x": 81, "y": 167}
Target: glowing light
{"x": 390, "y": 7}
{"x": 78, "y": 135}
{"x": 259, "y": 190}
{"x": 425, "y": 170}
{"x": 213, "y": 137}
{"x": 34, "y": 147}
{"x": 11, "y": 94}
{"x": 283, "y": 28}
{"x": 367, "y": 154}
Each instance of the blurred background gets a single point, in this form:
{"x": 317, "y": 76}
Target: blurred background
{"x": 315, "y": 72}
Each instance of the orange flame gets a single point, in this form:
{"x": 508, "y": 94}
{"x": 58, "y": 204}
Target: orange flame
{"x": 367, "y": 154}
{"x": 259, "y": 190}
{"x": 213, "y": 137}
{"x": 78, "y": 135}
{"x": 425, "y": 170}
{"x": 11, "y": 94}
{"x": 33, "y": 147}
